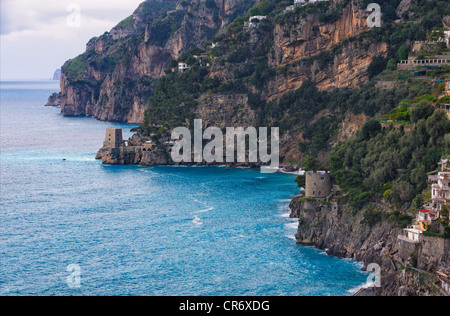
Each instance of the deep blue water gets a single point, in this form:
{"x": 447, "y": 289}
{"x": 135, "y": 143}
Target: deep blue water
{"x": 141, "y": 231}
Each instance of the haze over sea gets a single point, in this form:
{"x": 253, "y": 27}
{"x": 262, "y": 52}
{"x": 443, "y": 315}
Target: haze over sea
{"x": 141, "y": 231}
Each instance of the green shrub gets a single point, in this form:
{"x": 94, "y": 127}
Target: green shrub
{"x": 75, "y": 69}
{"x": 446, "y": 233}
{"x": 372, "y": 217}
{"x": 426, "y": 97}
{"x": 301, "y": 181}
{"x": 402, "y": 52}
{"x": 392, "y": 64}
{"x": 422, "y": 110}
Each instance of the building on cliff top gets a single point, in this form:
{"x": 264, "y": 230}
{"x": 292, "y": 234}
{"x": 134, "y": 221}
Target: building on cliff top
{"x": 440, "y": 191}
{"x": 411, "y": 235}
{"x": 253, "y": 21}
{"x": 113, "y": 138}
{"x": 182, "y": 67}
{"x": 425, "y": 218}
{"x": 318, "y": 185}
{"x": 149, "y": 144}
{"x": 440, "y": 197}
{"x": 304, "y": 2}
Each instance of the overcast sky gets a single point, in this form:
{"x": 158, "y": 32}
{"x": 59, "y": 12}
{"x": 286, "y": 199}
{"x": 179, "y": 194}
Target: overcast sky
{"x": 38, "y": 36}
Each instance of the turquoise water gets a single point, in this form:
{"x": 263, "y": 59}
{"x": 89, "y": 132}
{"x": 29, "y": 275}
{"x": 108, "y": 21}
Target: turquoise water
{"x": 141, "y": 231}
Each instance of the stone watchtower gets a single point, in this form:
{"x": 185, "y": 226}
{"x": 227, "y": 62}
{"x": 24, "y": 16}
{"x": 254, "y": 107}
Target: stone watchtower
{"x": 318, "y": 185}
{"x": 113, "y": 138}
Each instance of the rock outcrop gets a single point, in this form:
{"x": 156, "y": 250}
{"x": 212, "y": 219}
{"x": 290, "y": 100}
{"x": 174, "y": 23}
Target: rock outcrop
{"x": 54, "y": 100}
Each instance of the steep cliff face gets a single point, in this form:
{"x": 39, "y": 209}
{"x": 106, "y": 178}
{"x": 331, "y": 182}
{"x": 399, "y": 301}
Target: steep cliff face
{"x": 226, "y": 111}
{"x": 347, "y": 69}
{"x": 300, "y": 39}
{"x": 308, "y": 36}
{"x": 345, "y": 233}
{"x": 113, "y": 79}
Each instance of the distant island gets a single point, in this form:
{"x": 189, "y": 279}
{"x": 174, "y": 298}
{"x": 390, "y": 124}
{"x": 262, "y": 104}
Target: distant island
{"x": 57, "y": 75}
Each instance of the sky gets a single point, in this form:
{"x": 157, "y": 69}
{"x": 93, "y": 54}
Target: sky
{"x": 38, "y": 36}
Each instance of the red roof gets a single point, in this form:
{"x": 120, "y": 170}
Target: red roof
{"x": 425, "y": 211}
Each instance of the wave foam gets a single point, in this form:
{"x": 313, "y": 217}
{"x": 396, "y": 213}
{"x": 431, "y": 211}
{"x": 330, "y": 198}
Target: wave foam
{"x": 197, "y": 221}
{"x": 204, "y": 211}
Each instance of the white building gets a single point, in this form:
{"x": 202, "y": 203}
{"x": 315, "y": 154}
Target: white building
{"x": 447, "y": 38}
{"x": 182, "y": 67}
{"x": 252, "y": 22}
{"x": 440, "y": 191}
{"x": 411, "y": 235}
{"x": 303, "y": 2}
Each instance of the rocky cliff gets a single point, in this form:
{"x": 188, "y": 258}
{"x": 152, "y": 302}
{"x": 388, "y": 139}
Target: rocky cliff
{"x": 370, "y": 235}
{"x": 113, "y": 79}
{"x": 300, "y": 38}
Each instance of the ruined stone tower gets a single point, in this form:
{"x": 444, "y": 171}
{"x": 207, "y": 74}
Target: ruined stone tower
{"x": 113, "y": 138}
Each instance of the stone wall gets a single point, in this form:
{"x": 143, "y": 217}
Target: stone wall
{"x": 432, "y": 252}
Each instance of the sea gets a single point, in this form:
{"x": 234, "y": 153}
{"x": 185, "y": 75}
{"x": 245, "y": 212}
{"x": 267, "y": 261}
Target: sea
{"x": 71, "y": 226}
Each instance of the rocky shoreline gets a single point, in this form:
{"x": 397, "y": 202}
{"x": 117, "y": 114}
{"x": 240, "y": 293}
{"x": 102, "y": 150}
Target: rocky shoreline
{"x": 342, "y": 232}
{"x": 138, "y": 152}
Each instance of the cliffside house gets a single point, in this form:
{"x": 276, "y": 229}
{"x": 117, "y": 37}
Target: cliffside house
{"x": 253, "y": 21}
{"x": 182, "y": 67}
{"x": 318, "y": 185}
{"x": 447, "y": 87}
{"x": 411, "y": 235}
{"x": 113, "y": 138}
{"x": 440, "y": 191}
{"x": 425, "y": 218}
{"x": 304, "y": 2}
{"x": 149, "y": 144}
{"x": 440, "y": 196}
